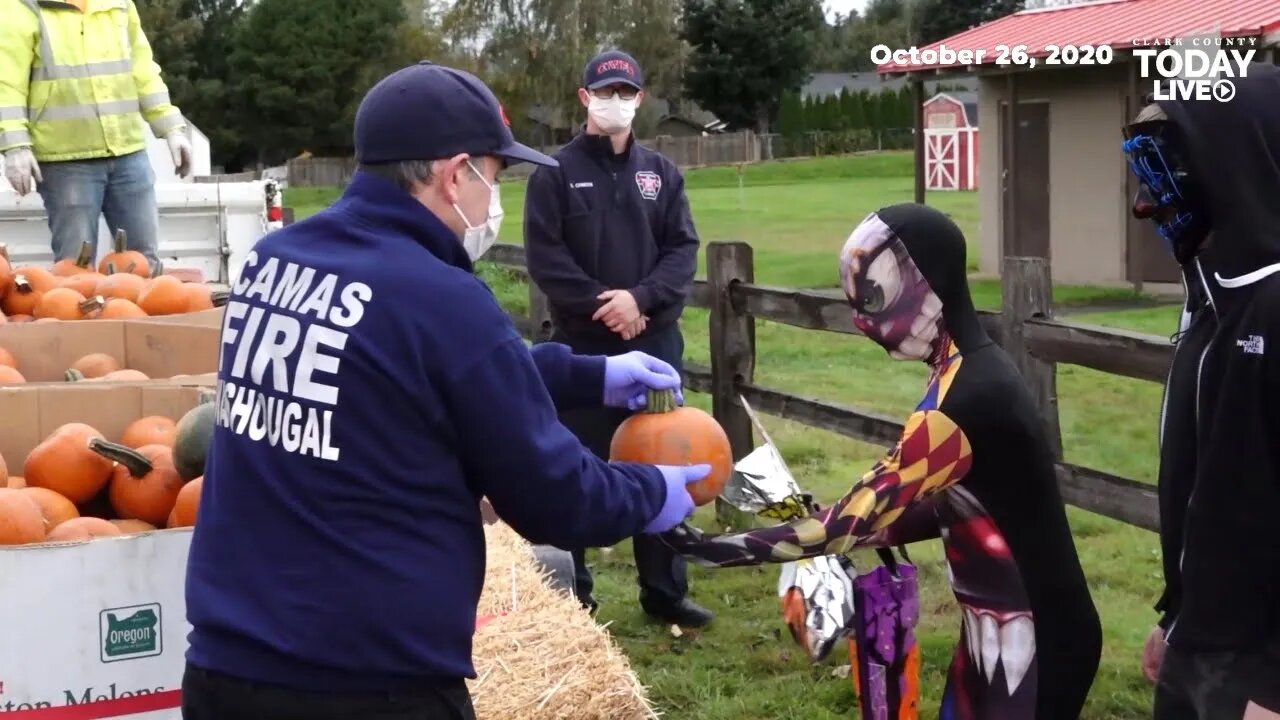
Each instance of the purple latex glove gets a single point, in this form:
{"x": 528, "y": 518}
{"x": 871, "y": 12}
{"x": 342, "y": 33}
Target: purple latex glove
{"x": 679, "y": 504}
{"x": 627, "y": 377}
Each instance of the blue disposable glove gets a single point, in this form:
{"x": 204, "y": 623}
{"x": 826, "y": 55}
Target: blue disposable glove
{"x": 627, "y": 377}
{"x": 679, "y": 504}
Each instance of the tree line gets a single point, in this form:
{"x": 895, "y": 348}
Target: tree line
{"x": 267, "y": 80}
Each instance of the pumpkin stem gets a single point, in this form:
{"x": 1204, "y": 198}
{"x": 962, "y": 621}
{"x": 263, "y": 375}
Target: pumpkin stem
{"x": 132, "y": 264}
{"x": 73, "y": 375}
{"x": 120, "y": 240}
{"x": 92, "y": 305}
{"x": 206, "y": 397}
{"x": 219, "y": 297}
{"x": 158, "y": 270}
{"x": 22, "y": 284}
{"x": 135, "y": 462}
{"x": 86, "y": 255}
{"x": 659, "y": 401}
{"x": 4, "y": 252}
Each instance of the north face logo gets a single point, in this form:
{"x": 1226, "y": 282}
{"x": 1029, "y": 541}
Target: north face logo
{"x": 1251, "y": 345}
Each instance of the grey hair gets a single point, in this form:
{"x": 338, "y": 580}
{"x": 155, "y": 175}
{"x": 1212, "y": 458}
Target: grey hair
{"x": 1151, "y": 112}
{"x": 408, "y": 174}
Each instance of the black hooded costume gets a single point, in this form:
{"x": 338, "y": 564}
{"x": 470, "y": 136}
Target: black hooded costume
{"x": 973, "y": 466}
{"x": 1214, "y": 174}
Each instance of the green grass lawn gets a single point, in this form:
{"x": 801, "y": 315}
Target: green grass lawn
{"x": 796, "y": 215}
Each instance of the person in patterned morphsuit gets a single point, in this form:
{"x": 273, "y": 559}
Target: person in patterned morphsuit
{"x": 973, "y": 466}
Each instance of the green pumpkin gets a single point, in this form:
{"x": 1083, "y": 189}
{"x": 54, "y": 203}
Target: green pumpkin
{"x": 195, "y": 430}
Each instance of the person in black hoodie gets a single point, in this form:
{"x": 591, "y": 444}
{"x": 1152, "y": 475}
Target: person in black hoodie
{"x": 610, "y": 241}
{"x": 1209, "y": 173}
{"x": 973, "y": 466}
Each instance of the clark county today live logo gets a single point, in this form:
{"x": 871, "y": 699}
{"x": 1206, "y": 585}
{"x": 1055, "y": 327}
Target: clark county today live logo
{"x": 1194, "y": 68}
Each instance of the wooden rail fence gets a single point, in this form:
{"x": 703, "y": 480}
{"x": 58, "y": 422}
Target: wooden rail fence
{"x": 1024, "y": 327}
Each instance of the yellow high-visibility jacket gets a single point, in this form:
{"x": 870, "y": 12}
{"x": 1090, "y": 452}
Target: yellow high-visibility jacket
{"x": 76, "y": 85}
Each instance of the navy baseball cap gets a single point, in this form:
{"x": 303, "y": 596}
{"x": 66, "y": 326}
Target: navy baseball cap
{"x": 431, "y": 112}
{"x": 610, "y": 67}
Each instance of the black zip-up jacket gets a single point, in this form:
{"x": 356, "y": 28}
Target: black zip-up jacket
{"x": 1219, "y": 480}
{"x": 601, "y": 222}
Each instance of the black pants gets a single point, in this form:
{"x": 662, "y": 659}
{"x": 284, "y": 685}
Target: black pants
{"x": 662, "y": 574}
{"x": 1212, "y": 685}
{"x": 212, "y": 696}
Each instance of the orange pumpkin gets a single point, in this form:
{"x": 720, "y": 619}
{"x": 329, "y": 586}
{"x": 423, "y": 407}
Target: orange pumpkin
{"x": 81, "y": 529}
{"x": 85, "y": 283}
{"x": 82, "y": 263}
{"x": 93, "y": 365}
{"x": 123, "y": 285}
{"x": 163, "y": 296}
{"x": 199, "y": 296}
{"x": 131, "y": 526}
{"x": 67, "y": 304}
{"x": 6, "y": 358}
{"x": 10, "y": 376}
{"x": 126, "y": 375}
{"x": 665, "y": 434}
{"x": 188, "y": 505}
{"x": 150, "y": 430}
{"x": 55, "y": 508}
{"x": 21, "y": 521}
{"x": 64, "y": 463}
{"x": 29, "y": 285}
{"x": 123, "y": 260}
{"x": 121, "y": 309}
{"x": 144, "y": 484}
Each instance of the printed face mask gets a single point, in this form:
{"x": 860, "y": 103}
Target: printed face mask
{"x": 613, "y": 115}
{"x": 892, "y": 302}
{"x": 1166, "y": 193}
{"x": 479, "y": 238}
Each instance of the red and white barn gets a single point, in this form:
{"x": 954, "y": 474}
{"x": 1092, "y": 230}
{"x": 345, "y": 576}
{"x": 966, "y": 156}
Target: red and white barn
{"x": 951, "y": 141}
{"x": 1059, "y": 187}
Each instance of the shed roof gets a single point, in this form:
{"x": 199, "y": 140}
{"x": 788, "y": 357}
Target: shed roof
{"x": 968, "y": 101}
{"x": 1122, "y": 24}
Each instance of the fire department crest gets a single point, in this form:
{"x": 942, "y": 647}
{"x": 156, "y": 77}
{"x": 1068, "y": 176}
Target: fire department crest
{"x": 649, "y": 183}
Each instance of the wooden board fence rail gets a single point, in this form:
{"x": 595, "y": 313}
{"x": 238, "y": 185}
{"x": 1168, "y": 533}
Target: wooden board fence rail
{"x": 736, "y": 302}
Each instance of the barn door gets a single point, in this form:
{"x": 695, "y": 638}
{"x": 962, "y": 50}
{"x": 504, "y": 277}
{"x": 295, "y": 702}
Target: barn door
{"x": 942, "y": 159}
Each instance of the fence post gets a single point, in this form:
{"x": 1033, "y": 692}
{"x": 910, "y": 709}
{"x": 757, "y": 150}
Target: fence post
{"x": 540, "y": 328}
{"x": 733, "y": 355}
{"x": 1026, "y": 291}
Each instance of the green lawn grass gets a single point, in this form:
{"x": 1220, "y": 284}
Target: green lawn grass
{"x": 796, "y": 215}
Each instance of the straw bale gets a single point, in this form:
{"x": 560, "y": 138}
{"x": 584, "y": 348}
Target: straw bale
{"x": 543, "y": 657}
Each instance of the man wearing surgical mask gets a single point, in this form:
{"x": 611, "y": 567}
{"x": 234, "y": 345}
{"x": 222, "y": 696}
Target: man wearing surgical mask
{"x": 609, "y": 239}
{"x": 370, "y": 392}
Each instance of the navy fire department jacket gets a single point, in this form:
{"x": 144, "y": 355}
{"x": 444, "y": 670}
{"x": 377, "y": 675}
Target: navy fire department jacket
{"x": 601, "y": 222}
{"x": 370, "y": 391}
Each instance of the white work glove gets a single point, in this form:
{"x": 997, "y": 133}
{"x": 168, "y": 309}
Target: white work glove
{"x": 22, "y": 170}
{"x": 180, "y": 149}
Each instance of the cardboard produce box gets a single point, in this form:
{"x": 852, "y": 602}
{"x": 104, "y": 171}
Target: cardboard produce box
{"x": 44, "y": 351}
{"x": 205, "y": 318}
{"x": 94, "y": 629}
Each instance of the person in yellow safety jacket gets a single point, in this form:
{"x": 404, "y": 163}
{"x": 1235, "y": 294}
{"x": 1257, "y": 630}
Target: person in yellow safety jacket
{"x": 77, "y": 80}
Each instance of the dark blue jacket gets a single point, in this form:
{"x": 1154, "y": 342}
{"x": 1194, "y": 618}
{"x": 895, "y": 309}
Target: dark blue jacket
{"x": 601, "y": 222}
{"x": 370, "y": 391}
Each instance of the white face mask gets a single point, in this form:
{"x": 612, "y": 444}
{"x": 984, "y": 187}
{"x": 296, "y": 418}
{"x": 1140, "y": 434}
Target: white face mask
{"x": 479, "y": 238}
{"x": 613, "y": 115}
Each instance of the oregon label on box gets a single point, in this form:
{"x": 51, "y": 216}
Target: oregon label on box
{"x": 94, "y": 629}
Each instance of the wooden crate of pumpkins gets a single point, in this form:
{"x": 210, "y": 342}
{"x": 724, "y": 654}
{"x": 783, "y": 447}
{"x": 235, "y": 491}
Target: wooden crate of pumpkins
{"x": 108, "y": 351}
{"x": 84, "y": 462}
{"x": 123, "y": 286}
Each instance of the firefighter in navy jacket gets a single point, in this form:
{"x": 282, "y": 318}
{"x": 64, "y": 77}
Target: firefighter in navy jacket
{"x": 370, "y": 392}
{"x": 1210, "y": 179}
{"x": 610, "y": 241}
